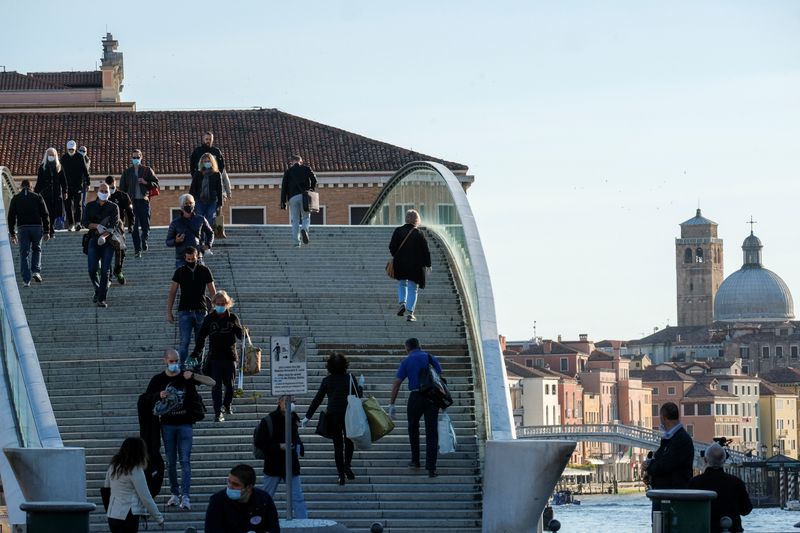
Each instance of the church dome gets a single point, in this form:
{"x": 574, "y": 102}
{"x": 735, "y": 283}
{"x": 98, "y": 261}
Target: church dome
{"x": 753, "y": 293}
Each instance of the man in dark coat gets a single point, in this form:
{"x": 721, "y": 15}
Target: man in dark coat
{"x": 270, "y": 438}
{"x": 411, "y": 260}
{"x": 137, "y": 181}
{"x": 27, "y": 213}
{"x": 241, "y": 507}
{"x": 297, "y": 180}
{"x": 101, "y": 217}
{"x": 671, "y": 465}
{"x": 126, "y": 219}
{"x": 77, "y": 175}
{"x": 208, "y": 148}
{"x": 732, "y": 499}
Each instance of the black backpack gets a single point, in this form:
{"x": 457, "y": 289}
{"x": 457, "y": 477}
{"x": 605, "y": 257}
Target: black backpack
{"x": 434, "y": 387}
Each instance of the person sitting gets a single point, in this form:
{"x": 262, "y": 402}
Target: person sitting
{"x": 241, "y": 507}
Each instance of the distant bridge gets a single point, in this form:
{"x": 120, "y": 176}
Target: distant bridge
{"x": 621, "y": 434}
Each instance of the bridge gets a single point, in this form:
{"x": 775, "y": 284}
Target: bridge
{"x": 621, "y": 434}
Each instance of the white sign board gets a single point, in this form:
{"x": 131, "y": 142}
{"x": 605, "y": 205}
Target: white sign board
{"x": 287, "y": 359}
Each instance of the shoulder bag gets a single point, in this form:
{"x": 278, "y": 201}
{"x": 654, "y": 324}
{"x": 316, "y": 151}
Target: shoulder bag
{"x": 390, "y": 264}
{"x": 434, "y": 387}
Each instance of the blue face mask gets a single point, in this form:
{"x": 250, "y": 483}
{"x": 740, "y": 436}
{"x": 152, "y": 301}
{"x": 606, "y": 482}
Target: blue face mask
{"x": 207, "y": 164}
{"x": 174, "y": 367}
{"x": 136, "y": 160}
{"x": 220, "y": 309}
{"x": 233, "y": 494}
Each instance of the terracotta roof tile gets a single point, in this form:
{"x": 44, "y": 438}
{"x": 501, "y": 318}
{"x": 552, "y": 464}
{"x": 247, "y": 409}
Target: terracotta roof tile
{"x": 765, "y": 388}
{"x": 782, "y": 375}
{"x": 252, "y": 141}
{"x": 74, "y": 79}
{"x": 14, "y": 81}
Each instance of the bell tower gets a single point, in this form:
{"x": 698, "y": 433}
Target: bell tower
{"x": 699, "y": 268}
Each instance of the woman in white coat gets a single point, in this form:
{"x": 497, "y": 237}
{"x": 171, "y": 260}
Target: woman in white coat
{"x": 129, "y": 493}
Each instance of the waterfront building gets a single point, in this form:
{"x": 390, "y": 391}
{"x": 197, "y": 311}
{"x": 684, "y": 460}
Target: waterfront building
{"x": 778, "y": 419}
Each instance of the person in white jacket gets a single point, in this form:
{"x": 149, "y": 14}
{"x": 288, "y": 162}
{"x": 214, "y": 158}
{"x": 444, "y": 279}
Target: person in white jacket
{"x": 130, "y": 496}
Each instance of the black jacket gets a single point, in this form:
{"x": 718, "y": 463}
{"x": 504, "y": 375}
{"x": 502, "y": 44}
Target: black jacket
{"x": 222, "y": 331}
{"x": 192, "y": 410}
{"x": 336, "y": 387}
{"x": 732, "y": 498}
{"x": 76, "y": 172}
{"x": 411, "y": 259}
{"x": 270, "y": 443}
{"x": 106, "y": 215}
{"x": 671, "y": 466}
{"x": 27, "y": 209}
{"x": 224, "y": 515}
{"x": 129, "y": 181}
{"x": 150, "y": 432}
{"x": 125, "y": 206}
{"x": 198, "y": 152}
{"x": 296, "y": 180}
{"x": 52, "y": 186}
{"x": 214, "y": 186}
{"x": 196, "y": 231}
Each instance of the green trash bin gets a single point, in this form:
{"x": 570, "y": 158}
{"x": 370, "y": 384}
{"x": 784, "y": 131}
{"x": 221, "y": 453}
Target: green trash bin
{"x": 50, "y": 517}
{"x": 682, "y": 511}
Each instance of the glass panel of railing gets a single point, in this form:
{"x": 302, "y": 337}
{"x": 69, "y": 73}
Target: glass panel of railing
{"x": 17, "y": 388}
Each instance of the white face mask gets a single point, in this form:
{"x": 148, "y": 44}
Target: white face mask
{"x": 102, "y": 196}
{"x": 51, "y": 158}
{"x": 112, "y": 190}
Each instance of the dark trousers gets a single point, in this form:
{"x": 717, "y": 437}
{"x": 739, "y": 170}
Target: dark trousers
{"x": 74, "y": 207}
{"x": 141, "y": 223}
{"x": 221, "y": 371}
{"x": 100, "y": 257}
{"x": 419, "y": 406}
{"x": 119, "y": 260}
{"x": 129, "y": 525}
{"x": 342, "y": 446}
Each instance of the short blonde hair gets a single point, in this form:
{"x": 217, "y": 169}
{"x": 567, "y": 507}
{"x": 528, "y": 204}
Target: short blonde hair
{"x": 224, "y": 295}
{"x": 214, "y": 165}
{"x": 412, "y": 217}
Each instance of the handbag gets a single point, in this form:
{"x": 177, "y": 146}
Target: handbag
{"x": 434, "y": 387}
{"x": 251, "y": 355}
{"x": 313, "y": 201}
{"x": 380, "y": 423}
{"x": 356, "y": 426}
{"x": 447, "y": 434}
{"x": 322, "y": 426}
{"x": 390, "y": 264}
{"x": 219, "y": 226}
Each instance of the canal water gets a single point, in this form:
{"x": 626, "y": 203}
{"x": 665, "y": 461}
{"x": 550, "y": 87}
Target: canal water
{"x": 631, "y": 514}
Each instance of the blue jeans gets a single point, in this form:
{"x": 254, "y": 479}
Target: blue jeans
{"x": 207, "y": 210}
{"x": 188, "y": 322}
{"x": 30, "y": 237}
{"x": 141, "y": 221}
{"x": 298, "y": 501}
{"x": 178, "y": 442}
{"x": 100, "y": 257}
{"x": 407, "y": 294}
{"x": 296, "y": 215}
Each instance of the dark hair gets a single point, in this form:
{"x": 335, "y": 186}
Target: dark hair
{"x": 245, "y": 473}
{"x": 110, "y": 180}
{"x": 189, "y": 250}
{"x": 337, "y": 364}
{"x": 25, "y": 184}
{"x": 412, "y": 343}
{"x": 670, "y": 411}
{"x": 131, "y": 454}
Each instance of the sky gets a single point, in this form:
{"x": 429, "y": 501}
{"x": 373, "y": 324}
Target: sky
{"x": 593, "y": 128}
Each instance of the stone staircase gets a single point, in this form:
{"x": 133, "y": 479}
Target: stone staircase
{"x": 334, "y": 292}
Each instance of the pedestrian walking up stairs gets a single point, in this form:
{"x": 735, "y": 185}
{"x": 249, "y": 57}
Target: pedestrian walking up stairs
{"x": 335, "y": 293}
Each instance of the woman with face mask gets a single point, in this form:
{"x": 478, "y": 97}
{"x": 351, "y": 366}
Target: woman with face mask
{"x": 223, "y": 329}
{"x": 206, "y": 188}
{"x": 51, "y": 184}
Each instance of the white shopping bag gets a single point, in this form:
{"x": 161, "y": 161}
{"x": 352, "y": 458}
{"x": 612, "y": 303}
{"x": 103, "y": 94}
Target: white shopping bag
{"x": 356, "y": 425}
{"x": 447, "y": 434}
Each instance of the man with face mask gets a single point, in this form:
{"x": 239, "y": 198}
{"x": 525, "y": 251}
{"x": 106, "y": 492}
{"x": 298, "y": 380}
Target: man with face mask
{"x": 126, "y": 218}
{"x": 179, "y": 390}
{"x": 84, "y": 152}
{"x": 77, "y": 174}
{"x": 193, "y": 279}
{"x": 100, "y": 216}
{"x": 189, "y": 229}
{"x": 27, "y": 212}
{"x": 270, "y": 438}
{"x": 138, "y": 181}
{"x": 241, "y": 507}
{"x": 671, "y": 465}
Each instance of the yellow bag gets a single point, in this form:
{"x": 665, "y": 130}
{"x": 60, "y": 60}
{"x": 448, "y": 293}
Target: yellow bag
{"x": 251, "y": 355}
{"x": 380, "y": 423}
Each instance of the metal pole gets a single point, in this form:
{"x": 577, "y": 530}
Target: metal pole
{"x": 288, "y": 479}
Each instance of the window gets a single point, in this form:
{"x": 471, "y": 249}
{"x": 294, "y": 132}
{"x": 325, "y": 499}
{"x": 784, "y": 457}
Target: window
{"x": 784, "y": 332}
{"x": 687, "y": 255}
{"x": 447, "y": 213}
{"x": 540, "y": 363}
{"x": 248, "y": 215}
{"x": 671, "y": 391}
{"x": 529, "y": 363}
{"x": 698, "y": 255}
{"x": 318, "y": 219}
{"x": 689, "y": 409}
{"x": 744, "y": 352}
{"x": 357, "y": 213}
{"x": 779, "y": 351}
{"x": 655, "y": 410}
{"x": 765, "y": 352}
{"x": 746, "y": 369}
{"x": 400, "y": 212}
{"x": 655, "y": 391}
{"x": 690, "y": 430}
{"x": 724, "y": 387}
{"x": 794, "y": 352}
{"x": 564, "y": 364}
{"x": 704, "y": 409}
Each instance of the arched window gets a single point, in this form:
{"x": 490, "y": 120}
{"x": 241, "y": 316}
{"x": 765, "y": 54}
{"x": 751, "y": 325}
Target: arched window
{"x": 698, "y": 255}
{"x": 687, "y": 256}
{"x": 691, "y": 286}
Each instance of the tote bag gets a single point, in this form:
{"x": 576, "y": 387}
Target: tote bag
{"x": 447, "y": 434}
{"x": 380, "y": 424}
{"x": 356, "y": 425}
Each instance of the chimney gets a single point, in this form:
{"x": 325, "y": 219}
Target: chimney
{"x": 559, "y": 338}
{"x": 584, "y": 337}
{"x": 112, "y": 71}
{"x": 548, "y": 346}
{"x": 502, "y": 343}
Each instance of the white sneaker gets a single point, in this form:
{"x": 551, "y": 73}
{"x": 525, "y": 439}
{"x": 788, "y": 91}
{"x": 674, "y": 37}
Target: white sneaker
{"x": 173, "y": 501}
{"x": 186, "y": 504}
{"x": 26, "y": 284}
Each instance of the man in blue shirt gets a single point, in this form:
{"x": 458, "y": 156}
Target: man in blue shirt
{"x": 418, "y": 406}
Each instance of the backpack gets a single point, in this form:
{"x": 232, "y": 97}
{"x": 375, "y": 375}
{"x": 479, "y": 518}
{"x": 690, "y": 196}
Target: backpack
{"x": 434, "y": 387}
{"x": 258, "y": 453}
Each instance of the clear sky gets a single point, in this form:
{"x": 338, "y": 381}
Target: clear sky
{"x": 592, "y": 128}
